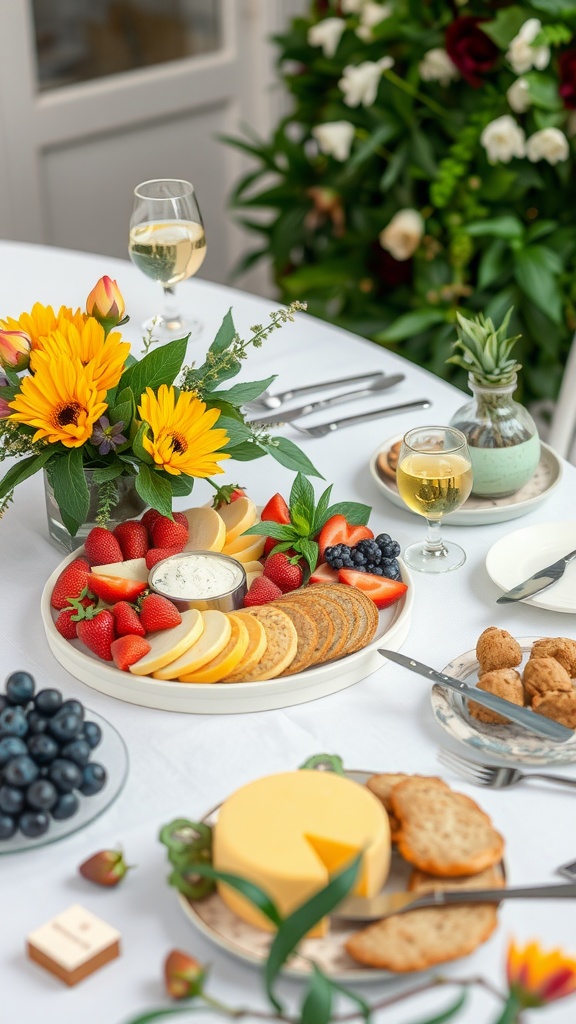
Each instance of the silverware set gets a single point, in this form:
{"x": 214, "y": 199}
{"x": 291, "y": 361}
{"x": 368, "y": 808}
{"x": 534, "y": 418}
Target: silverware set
{"x": 495, "y": 776}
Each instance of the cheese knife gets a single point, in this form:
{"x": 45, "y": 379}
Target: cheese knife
{"x": 379, "y": 384}
{"x": 524, "y": 717}
{"x": 541, "y": 580}
{"x": 374, "y": 908}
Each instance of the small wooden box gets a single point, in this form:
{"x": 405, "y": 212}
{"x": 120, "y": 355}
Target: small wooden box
{"x": 73, "y": 945}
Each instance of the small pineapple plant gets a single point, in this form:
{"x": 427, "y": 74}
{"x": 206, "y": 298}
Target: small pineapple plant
{"x": 502, "y": 436}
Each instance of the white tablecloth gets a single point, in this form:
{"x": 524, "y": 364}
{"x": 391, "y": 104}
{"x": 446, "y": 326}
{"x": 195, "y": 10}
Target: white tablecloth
{"x": 180, "y": 765}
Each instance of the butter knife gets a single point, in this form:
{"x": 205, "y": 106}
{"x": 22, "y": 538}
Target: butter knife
{"x": 525, "y": 717}
{"x": 541, "y": 580}
{"x": 266, "y": 401}
{"x": 381, "y": 382}
{"x": 374, "y": 908}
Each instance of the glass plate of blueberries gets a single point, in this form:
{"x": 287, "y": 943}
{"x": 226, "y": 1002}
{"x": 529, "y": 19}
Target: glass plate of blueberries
{"x": 61, "y": 765}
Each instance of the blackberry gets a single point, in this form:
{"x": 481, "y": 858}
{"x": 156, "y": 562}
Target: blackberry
{"x": 358, "y": 558}
{"x": 338, "y": 556}
{"x": 376, "y": 570}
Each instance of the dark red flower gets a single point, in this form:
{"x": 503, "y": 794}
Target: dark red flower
{"x": 388, "y": 272}
{"x": 568, "y": 79}
{"x": 471, "y": 50}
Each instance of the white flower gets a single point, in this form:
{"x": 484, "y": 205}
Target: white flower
{"x": 402, "y": 236}
{"x": 518, "y": 96}
{"x": 359, "y": 82}
{"x": 335, "y": 138}
{"x": 436, "y": 66}
{"x": 327, "y": 34}
{"x": 548, "y": 144}
{"x": 352, "y": 6}
{"x": 371, "y": 14}
{"x": 522, "y": 55}
{"x": 502, "y": 139}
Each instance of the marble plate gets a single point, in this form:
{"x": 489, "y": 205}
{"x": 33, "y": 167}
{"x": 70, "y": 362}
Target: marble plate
{"x": 503, "y": 742}
{"x": 480, "y": 511}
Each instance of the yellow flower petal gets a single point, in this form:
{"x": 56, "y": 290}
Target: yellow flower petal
{"x": 182, "y": 440}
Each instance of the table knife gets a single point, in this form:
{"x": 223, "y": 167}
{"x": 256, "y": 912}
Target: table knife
{"x": 374, "y": 908}
{"x": 541, "y": 580}
{"x": 267, "y": 401}
{"x": 525, "y": 717}
{"x": 382, "y": 382}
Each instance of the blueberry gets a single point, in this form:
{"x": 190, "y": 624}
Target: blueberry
{"x": 8, "y": 826}
{"x": 13, "y": 722}
{"x": 41, "y": 795}
{"x": 66, "y": 805}
{"x": 64, "y": 726}
{"x": 34, "y": 823}
{"x": 47, "y": 702}
{"x": 65, "y": 775}
{"x": 383, "y": 538}
{"x": 11, "y": 799}
{"x": 20, "y": 688}
{"x": 77, "y": 750}
{"x": 72, "y": 705}
{"x": 20, "y": 771}
{"x": 37, "y": 723}
{"x": 11, "y": 746}
{"x": 42, "y": 748}
{"x": 94, "y": 778}
{"x": 92, "y": 733}
{"x": 3, "y": 702}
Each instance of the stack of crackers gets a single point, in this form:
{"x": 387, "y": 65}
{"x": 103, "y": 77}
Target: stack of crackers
{"x": 450, "y": 843}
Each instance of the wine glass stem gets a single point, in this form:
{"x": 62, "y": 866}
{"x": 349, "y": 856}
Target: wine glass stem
{"x": 170, "y": 311}
{"x": 433, "y": 543}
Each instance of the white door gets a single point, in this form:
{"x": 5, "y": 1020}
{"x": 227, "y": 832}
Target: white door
{"x": 98, "y": 95}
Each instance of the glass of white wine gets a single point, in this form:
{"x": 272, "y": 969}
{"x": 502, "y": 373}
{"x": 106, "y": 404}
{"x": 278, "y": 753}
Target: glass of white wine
{"x": 434, "y": 477}
{"x": 168, "y": 244}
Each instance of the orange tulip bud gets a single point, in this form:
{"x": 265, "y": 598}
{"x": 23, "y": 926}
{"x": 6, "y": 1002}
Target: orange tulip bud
{"x": 105, "y": 303}
{"x": 183, "y": 975}
{"x": 15, "y": 349}
{"x": 538, "y": 976}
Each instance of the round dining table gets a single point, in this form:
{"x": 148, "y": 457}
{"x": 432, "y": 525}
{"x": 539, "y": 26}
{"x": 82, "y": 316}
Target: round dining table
{"x": 182, "y": 764}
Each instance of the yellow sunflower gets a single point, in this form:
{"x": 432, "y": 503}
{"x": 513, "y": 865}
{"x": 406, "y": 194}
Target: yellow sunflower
{"x": 42, "y": 320}
{"x": 87, "y": 342}
{"x": 183, "y": 440}
{"x": 61, "y": 400}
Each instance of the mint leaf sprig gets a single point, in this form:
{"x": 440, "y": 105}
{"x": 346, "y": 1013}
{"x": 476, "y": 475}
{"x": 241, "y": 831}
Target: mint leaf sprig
{"x": 307, "y": 517}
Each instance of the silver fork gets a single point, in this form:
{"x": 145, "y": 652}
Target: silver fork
{"x": 327, "y": 428}
{"x": 492, "y": 775}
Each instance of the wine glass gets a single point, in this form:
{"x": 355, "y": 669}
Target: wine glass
{"x": 434, "y": 477}
{"x": 168, "y": 244}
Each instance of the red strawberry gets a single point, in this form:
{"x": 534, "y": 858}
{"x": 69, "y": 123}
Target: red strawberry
{"x": 97, "y": 633}
{"x": 107, "y": 867}
{"x": 179, "y": 517}
{"x": 284, "y": 571}
{"x": 127, "y": 650}
{"x": 339, "y": 531}
{"x": 157, "y": 612}
{"x": 277, "y": 511}
{"x": 184, "y": 975}
{"x": 379, "y": 589}
{"x": 69, "y": 617}
{"x": 132, "y": 537}
{"x": 127, "y": 620}
{"x": 148, "y": 520}
{"x": 116, "y": 588}
{"x": 227, "y": 494}
{"x": 324, "y": 574}
{"x": 70, "y": 583}
{"x": 262, "y": 590}
{"x": 154, "y": 555}
{"x": 101, "y": 547}
{"x": 169, "y": 534}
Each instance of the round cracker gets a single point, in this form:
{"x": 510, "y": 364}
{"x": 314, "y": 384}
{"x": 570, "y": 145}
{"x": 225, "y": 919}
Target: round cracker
{"x": 281, "y": 646}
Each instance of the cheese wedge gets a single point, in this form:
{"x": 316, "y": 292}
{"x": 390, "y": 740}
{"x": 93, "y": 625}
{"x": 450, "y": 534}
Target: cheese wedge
{"x": 213, "y": 639}
{"x": 245, "y": 549}
{"x": 257, "y": 642}
{"x": 225, "y": 662}
{"x": 288, "y": 833}
{"x": 132, "y": 569}
{"x": 238, "y": 516}
{"x": 168, "y": 644}
{"x": 251, "y": 576}
{"x": 206, "y": 530}
{"x": 253, "y": 566}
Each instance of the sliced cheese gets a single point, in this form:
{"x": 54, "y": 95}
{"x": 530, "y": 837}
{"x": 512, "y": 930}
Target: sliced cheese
{"x": 245, "y": 549}
{"x": 288, "y": 833}
{"x": 257, "y": 642}
{"x": 229, "y": 657}
{"x": 132, "y": 569}
{"x": 253, "y": 566}
{"x": 168, "y": 644}
{"x": 238, "y": 516}
{"x": 213, "y": 639}
{"x": 251, "y": 576}
{"x": 206, "y": 530}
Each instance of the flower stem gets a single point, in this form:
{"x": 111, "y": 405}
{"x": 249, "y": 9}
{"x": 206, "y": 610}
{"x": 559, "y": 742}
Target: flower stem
{"x": 511, "y": 1011}
{"x": 395, "y": 79}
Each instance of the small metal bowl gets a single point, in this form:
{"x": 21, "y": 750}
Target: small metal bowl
{"x": 227, "y": 600}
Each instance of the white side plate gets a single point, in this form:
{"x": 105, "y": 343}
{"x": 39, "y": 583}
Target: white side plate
{"x": 517, "y": 556}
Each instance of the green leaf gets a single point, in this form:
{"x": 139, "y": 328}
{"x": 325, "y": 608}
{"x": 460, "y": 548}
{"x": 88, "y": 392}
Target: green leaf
{"x": 11, "y": 376}
{"x": 9, "y": 393}
{"x": 225, "y": 334}
{"x": 505, "y": 25}
{"x": 495, "y": 263}
{"x": 70, "y": 488}
{"x": 538, "y": 282}
{"x": 137, "y": 446}
{"x": 561, "y": 8}
{"x": 155, "y": 490}
{"x": 237, "y": 430}
{"x": 268, "y": 528}
{"x": 309, "y": 549}
{"x": 423, "y": 153}
{"x": 169, "y": 1011}
{"x": 317, "y": 1005}
{"x": 181, "y": 485}
{"x": 452, "y": 1010}
{"x": 257, "y": 896}
{"x": 366, "y": 150}
{"x": 241, "y": 393}
{"x": 353, "y": 511}
{"x": 246, "y": 451}
{"x": 111, "y": 472}
{"x": 543, "y": 90}
{"x": 289, "y": 455}
{"x": 302, "y": 497}
{"x": 411, "y": 323}
{"x": 507, "y": 227}
{"x": 24, "y": 468}
{"x": 160, "y": 366}
{"x": 321, "y": 512}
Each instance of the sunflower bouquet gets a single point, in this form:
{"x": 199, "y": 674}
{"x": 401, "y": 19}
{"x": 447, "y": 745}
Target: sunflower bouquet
{"x": 75, "y": 403}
